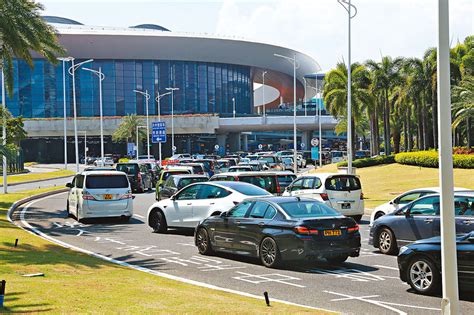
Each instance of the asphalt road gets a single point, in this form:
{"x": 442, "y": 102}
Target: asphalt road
{"x": 367, "y": 284}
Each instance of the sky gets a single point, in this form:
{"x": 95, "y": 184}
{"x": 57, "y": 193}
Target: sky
{"x": 316, "y": 27}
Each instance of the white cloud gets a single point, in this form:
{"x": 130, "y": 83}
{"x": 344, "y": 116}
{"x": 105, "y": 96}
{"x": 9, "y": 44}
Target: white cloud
{"x": 319, "y": 27}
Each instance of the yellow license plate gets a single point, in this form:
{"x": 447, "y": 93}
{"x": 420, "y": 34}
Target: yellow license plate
{"x": 108, "y": 197}
{"x": 332, "y": 232}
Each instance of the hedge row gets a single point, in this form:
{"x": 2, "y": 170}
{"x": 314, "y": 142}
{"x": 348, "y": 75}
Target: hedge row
{"x": 360, "y": 163}
{"x": 430, "y": 159}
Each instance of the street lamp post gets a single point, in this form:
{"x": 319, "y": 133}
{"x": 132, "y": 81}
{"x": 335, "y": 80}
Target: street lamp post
{"x": 158, "y": 98}
{"x": 64, "y": 60}
{"x": 304, "y": 98}
{"x": 319, "y": 123}
{"x": 72, "y": 71}
{"x": 295, "y": 144}
{"x": 137, "y": 138}
{"x": 147, "y": 97}
{"x": 233, "y": 107}
{"x": 4, "y": 134}
{"x": 263, "y": 92}
{"x": 346, "y": 4}
{"x": 85, "y": 148}
{"x": 172, "y": 89}
{"x": 101, "y": 77}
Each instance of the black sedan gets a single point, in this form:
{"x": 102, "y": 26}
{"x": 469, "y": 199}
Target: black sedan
{"x": 419, "y": 220}
{"x": 420, "y": 264}
{"x": 277, "y": 229}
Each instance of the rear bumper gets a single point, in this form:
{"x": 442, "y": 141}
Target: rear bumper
{"x": 107, "y": 210}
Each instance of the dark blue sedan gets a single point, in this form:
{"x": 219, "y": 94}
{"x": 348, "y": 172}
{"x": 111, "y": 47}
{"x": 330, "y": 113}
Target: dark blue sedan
{"x": 419, "y": 220}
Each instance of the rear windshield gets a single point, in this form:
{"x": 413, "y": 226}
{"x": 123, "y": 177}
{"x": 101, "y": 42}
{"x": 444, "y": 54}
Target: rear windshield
{"x": 207, "y": 165}
{"x": 266, "y": 182}
{"x": 197, "y": 169}
{"x": 223, "y": 163}
{"x": 188, "y": 181}
{"x": 336, "y": 154}
{"x": 286, "y": 178}
{"x": 343, "y": 183}
{"x": 168, "y": 174}
{"x": 307, "y": 209}
{"x": 269, "y": 159}
{"x": 106, "y": 181}
{"x": 128, "y": 168}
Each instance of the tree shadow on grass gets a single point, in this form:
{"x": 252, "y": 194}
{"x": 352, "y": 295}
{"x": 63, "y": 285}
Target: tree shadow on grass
{"x": 11, "y": 297}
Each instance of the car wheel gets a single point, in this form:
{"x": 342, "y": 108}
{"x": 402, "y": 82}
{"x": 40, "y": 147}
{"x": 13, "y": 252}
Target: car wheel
{"x": 387, "y": 242}
{"x": 269, "y": 253}
{"x": 159, "y": 222}
{"x": 423, "y": 276}
{"x": 357, "y": 218}
{"x": 203, "y": 242}
{"x": 378, "y": 215}
{"x": 336, "y": 260}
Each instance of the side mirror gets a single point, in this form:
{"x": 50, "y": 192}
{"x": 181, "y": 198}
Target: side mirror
{"x": 223, "y": 214}
{"x": 69, "y": 185}
{"x": 471, "y": 239}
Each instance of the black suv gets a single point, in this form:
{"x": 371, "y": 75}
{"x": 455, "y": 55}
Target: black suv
{"x": 139, "y": 176}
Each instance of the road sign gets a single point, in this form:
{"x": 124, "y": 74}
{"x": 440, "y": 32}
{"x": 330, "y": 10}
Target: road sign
{"x": 315, "y": 153}
{"x": 315, "y": 142}
{"x": 158, "y": 132}
{"x": 302, "y": 145}
{"x": 260, "y": 146}
{"x": 216, "y": 147}
{"x": 173, "y": 148}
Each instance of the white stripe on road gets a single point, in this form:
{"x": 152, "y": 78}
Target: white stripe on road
{"x": 139, "y": 216}
{"x": 37, "y": 232}
{"x": 386, "y": 267}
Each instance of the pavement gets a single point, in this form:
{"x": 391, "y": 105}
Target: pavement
{"x": 366, "y": 284}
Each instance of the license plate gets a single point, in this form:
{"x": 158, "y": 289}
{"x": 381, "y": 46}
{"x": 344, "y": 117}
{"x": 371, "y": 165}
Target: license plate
{"x": 332, "y": 232}
{"x": 345, "y": 205}
{"x": 108, "y": 197}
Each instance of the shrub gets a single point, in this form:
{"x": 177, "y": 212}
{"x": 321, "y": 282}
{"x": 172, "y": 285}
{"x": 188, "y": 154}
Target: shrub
{"x": 430, "y": 159}
{"x": 360, "y": 163}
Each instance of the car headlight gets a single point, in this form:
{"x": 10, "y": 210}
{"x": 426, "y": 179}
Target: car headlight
{"x": 403, "y": 249}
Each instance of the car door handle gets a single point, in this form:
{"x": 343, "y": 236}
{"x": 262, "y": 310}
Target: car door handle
{"x": 468, "y": 222}
{"x": 212, "y": 203}
{"x": 428, "y": 220}
{"x": 237, "y": 222}
{"x": 189, "y": 204}
{"x": 261, "y": 224}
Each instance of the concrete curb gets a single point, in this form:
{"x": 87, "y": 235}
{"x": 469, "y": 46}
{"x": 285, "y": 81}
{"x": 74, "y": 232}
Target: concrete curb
{"x": 20, "y": 202}
{"x": 38, "y": 180}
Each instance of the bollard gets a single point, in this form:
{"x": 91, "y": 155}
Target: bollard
{"x": 16, "y": 242}
{"x": 3, "y": 283}
{"x": 267, "y": 299}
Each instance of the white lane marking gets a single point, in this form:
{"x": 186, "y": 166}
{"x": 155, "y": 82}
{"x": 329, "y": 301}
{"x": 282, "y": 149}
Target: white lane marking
{"x": 139, "y": 216}
{"x": 37, "y": 232}
{"x": 271, "y": 277}
{"x": 362, "y": 299}
{"x": 386, "y": 267}
{"x": 186, "y": 244}
{"x": 353, "y": 274}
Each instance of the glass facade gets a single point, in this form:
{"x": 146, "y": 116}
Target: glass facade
{"x": 204, "y": 88}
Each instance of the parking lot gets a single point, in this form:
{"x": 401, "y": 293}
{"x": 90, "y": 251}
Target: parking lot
{"x": 366, "y": 284}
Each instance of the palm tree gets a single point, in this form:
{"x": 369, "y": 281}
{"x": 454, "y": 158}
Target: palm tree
{"x": 335, "y": 93}
{"x": 22, "y": 30}
{"x": 127, "y": 130}
{"x": 463, "y": 106}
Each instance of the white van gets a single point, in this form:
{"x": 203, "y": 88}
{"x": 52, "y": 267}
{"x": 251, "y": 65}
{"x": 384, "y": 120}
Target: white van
{"x": 98, "y": 194}
{"x": 339, "y": 191}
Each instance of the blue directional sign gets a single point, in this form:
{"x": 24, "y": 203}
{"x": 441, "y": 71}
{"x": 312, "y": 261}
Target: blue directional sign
{"x": 315, "y": 153}
{"x": 158, "y": 132}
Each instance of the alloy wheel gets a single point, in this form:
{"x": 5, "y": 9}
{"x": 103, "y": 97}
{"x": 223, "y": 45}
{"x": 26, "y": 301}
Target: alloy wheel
{"x": 202, "y": 241}
{"x": 385, "y": 241}
{"x": 421, "y": 275}
{"x": 268, "y": 251}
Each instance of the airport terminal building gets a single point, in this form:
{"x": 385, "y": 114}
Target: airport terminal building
{"x": 220, "y": 97}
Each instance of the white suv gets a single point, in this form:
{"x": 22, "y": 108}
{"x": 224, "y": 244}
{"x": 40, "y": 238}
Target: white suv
{"x": 339, "y": 191}
{"x": 94, "y": 194}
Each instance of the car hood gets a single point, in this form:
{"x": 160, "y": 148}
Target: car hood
{"x": 437, "y": 239}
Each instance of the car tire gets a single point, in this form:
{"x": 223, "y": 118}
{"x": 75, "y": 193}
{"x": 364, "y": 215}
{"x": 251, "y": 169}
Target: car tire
{"x": 203, "y": 242}
{"x": 337, "y": 260}
{"x": 357, "y": 218}
{"x": 423, "y": 275}
{"x": 378, "y": 215}
{"x": 159, "y": 222}
{"x": 387, "y": 242}
{"x": 269, "y": 253}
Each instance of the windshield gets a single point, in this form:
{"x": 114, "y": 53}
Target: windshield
{"x": 343, "y": 183}
{"x": 106, "y": 181}
{"x": 262, "y": 181}
{"x": 307, "y": 209}
{"x": 128, "y": 168}
{"x": 187, "y": 181}
{"x": 336, "y": 154}
{"x": 249, "y": 190}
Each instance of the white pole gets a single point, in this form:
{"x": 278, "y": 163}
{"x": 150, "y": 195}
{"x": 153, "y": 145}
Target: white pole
{"x": 233, "y": 101}
{"x": 319, "y": 122}
{"x": 147, "y": 96}
{"x": 101, "y": 78}
{"x": 76, "y": 145}
{"x": 159, "y": 119}
{"x": 85, "y": 147}
{"x": 349, "y": 102}
{"x": 137, "y": 143}
{"x": 263, "y": 93}
{"x": 295, "y": 140}
{"x": 4, "y": 131}
{"x": 304, "y": 99}
{"x": 172, "y": 121}
{"x": 65, "y": 115}
{"x": 450, "y": 302}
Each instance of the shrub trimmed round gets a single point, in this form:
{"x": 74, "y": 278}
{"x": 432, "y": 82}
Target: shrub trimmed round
{"x": 430, "y": 159}
{"x": 366, "y": 162}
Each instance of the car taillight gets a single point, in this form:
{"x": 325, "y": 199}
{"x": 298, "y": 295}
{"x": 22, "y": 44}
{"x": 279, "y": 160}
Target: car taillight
{"x": 324, "y": 196}
{"x": 128, "y": 195}
{"x": 278, "y": 188}
{"x": 354, "y": 228}
{"x": 87, "y": 196}
{"x": 361, "y": 196}
{"x": 305, "y": 231}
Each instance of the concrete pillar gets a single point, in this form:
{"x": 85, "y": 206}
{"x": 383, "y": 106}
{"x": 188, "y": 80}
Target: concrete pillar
{"x": 245, "y": 142}
{"x": 221, "y": 141}
{"x": 188, "y": 145}
{"x": 234, "y": 141}
{"x": 306, "y": 137}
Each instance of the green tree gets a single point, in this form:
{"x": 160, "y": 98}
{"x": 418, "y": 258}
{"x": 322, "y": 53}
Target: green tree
{"x": 335, "y": 94}
{"x": 15, "y": 127}
{"x": 22, "y": 30}
{"x": 463, "y": 106}
{"x": 127, "y": 130}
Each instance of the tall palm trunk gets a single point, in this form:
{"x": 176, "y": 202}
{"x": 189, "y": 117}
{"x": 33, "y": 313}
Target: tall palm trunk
{"x": 469, "y": 131}
{"x": 434, "y": 116}
{"x": 405, "y": 132}
{"x": 372, "y": 133}
{"x": 376, "y": 131}
{"x": 408, "y": 134}
{"x": 387, "y": 124}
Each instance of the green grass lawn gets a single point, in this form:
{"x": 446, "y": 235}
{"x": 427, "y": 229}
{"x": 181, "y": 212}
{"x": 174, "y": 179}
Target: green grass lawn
{"x": 382, "y": 183}
{"x": 21, "y": 178}
{"x": 77, "y": 283}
